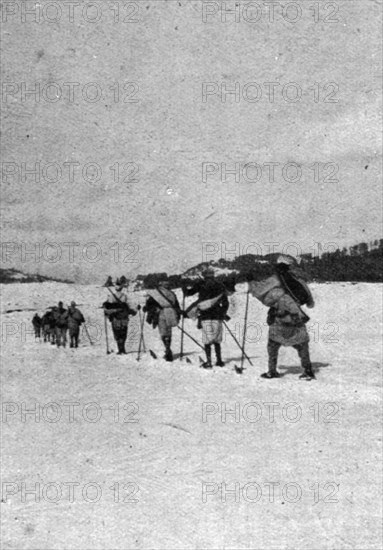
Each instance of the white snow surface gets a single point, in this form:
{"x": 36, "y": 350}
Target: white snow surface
{"x": 171, "y": 453}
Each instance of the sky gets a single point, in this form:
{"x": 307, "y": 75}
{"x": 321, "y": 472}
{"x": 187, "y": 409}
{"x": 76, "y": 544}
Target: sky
{"x": 138, "y": 171}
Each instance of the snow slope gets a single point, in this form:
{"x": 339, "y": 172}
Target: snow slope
{"x": 172, "y": 453}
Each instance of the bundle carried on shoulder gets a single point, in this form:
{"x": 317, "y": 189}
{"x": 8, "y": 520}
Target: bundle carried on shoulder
{"x": 118, "y": 310}
{"x": 285, "y": 282}
{"x": 284, "y": 294}
{"x": 77, "y": 316}
{"x": 162, "y": 307}
{"x": 266, "y": 291}
{"x": 296, "y": 287}
{"x": 193, "y": 310}
{"x": 164, "y": 298}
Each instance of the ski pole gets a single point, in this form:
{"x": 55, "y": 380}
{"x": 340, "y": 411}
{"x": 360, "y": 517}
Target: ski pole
{"x": 191, "y": 337}
{"x": 182, "y": 327}
{"x": 88, "y": 335}
{"x": 236, "y": 341}
{"x": 245, "y": 326}
{"x": 106, "y": 335}
{"x": 141, "y": 335}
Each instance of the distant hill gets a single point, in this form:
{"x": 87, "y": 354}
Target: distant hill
{"x": 229, "y": 272}
{"x": 360, "y": 263}
{"x": 9, "y": 276}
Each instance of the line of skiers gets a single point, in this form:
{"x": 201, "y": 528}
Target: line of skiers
{"x": 284, "y": 293}
{"x": 56, "y": 322}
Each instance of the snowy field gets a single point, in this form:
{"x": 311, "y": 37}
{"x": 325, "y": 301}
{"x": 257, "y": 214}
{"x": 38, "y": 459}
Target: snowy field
{"x": 198, "y": 482}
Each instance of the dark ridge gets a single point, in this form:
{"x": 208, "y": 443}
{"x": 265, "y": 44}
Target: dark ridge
{"x": 11, "y": 276}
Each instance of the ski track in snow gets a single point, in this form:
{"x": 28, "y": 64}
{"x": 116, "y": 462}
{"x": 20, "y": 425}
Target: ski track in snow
{"x": 171, "y": 451}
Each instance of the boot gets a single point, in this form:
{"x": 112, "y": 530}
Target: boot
{"x": 168, "y": 352}
{"x": 308, "y": 373}
{"x": 121, "y": 348}
{"x": 207, "y": 364}
{"x": 169, "y": 356}
{"x": 217, "y": 348}
{"x": 270, "y": 375}
{"x": 272, "y": 349}
{"x": 304, "y": 354}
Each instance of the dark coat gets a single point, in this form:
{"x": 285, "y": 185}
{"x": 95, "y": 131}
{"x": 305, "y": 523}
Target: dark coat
{"x": 37, "y": 321}
{"x": 208, "y": 289}
{"x": 60, "y": 316}
{"x": 48, "y": 320}
{"x": 152, "y": 312}
{"x": 118, "y": 309}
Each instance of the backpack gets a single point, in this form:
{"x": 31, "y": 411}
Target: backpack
{"x": 296, "y": 288}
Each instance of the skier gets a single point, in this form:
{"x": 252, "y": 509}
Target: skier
{"x": 163, "y": 310}
{"x": 284, "y": 293}
{"x": 210, "y": 310}
{"x": 45, "y": 324}
{"x": 75, "y": 320}
{"x": 48, "y": 324}
{"x": 109, "y": 281}
{"x": 60, "y": 315}
{"x": 36, "y": 322}
{"x": 118, "y": 309}
{"x": 52, "y": 325}
{"x": 124, "y": 281}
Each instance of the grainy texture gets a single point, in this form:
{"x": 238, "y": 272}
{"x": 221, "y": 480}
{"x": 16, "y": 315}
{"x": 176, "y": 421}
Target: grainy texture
{"x": 170, "y": 452}
{"x": 170, "y": 132}
{"x": 148, "y": 189}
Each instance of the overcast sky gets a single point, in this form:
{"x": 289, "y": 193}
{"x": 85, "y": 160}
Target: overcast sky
{"x": 160, "y": 191}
